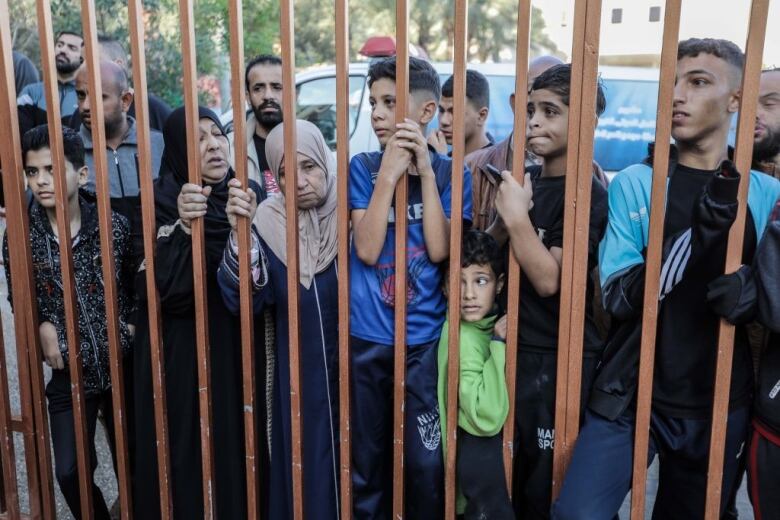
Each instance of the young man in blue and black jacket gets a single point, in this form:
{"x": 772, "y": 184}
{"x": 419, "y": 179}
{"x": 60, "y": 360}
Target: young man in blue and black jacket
{"x": 701, "y": 207}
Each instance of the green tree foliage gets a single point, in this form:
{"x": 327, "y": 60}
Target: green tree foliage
{"x": 492, "y": 30}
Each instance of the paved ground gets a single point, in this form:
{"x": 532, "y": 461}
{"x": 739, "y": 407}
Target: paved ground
{"x": 105, "y": 475}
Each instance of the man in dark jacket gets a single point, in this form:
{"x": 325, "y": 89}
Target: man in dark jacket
{"x": 754, "y": 290}
{"x": 701, "y": 207}
{"x": 121, "y": 148}
{"x": 112, "y": 50}
{"x": 67, "y": 48}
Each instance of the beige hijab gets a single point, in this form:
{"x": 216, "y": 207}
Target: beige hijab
{"x": 317, "y": 230}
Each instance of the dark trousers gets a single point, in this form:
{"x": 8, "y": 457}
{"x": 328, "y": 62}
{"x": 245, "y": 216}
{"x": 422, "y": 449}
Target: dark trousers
{"x": 372, "y": 432}
{"x": 481, "y": 477}
{"x": 535, "y": 429}
{"x": 763, "y": 468}
{"x": 599, "y": 475}
{"x": 63, "y": 439}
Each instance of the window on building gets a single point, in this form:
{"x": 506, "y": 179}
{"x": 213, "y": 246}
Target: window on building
{"x": 655, "y": 14}
{"x": 617, "y": 15}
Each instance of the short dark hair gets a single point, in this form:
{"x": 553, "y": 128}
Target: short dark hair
{"x": 37, "y": 138}
{"x": 260, "y": 59}
{"x": 113, "y": 49}
{"x": 724, "y": 49}
{"x": 422, "y": 76}
{"x": 557, "y": 79}
{"x": 72, "y": 33}
{"x": 477, "y": 89}
{"x": 480, "y": 248}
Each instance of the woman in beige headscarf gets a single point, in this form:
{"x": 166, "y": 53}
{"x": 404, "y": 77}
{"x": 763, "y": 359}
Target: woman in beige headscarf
{"x": 318, "y": 291}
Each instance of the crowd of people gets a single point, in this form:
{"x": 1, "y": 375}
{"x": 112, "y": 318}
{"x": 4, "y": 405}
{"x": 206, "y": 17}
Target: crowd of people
{"x": 502, "y": 216}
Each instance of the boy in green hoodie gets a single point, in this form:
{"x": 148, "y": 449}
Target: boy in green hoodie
{"x": 483, "y": 402}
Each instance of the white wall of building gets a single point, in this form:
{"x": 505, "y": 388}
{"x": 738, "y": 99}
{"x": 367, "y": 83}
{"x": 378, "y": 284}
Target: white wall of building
{"x": 636, "y": 35}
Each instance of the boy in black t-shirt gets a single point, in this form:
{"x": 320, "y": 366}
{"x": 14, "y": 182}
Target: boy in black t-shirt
{"x": 701, "y": 207}
{"x": 532, "y": 215}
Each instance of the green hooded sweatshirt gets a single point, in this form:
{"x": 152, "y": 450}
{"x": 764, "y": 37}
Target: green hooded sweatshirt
{"x": 483, "y": 400}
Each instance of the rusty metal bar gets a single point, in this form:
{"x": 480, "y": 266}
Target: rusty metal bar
{"x": 238, "y": 96}
{"x": 24, "y": 304}
{"x": 582, "y": 114}
{"x": 513, "y": 280}
{"x": 293, "y": 265}
{"x": 46, "y": 38}
{"x": 198, "y": 258}
{"x": 754, "y": 49}
{"x": 342, "y": 166}
{"x": 38, "y": 458}
{"x": 561, "y": 390}
{"x": 401, "y": 233}
{"x": 663, "y": 132}
{"x": 456, "y": 234}
{"x": 135, "y": 15}
{"x": 102, "y": 187}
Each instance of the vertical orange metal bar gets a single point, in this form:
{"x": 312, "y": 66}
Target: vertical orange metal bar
{"x": 293, "y": 266}
{"x": 100, "y": 162}
{"x": 754, "y": 49}
{"x": 33, "y": 408}
{"x": 513, "y": 280}
{"x": 238, "y": 94}
{"x": 561, "y": 389}
{"x": 401, "y": 221}
{"x": 582, "y": 114}
{"x": 663, "y": 132}
{"x": 135, "y": 15}
{"x": 456, "y": 239}
{"x": 342, "y": 166}
{"x": 66, "y": 260}
{"x": 198, "y": 257}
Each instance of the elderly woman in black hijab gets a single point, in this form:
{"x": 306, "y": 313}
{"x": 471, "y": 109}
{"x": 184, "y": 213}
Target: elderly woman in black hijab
{"x": 177, "y": 204}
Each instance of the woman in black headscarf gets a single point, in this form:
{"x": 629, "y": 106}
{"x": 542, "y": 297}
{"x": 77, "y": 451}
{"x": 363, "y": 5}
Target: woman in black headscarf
{"x": 177, "y": 204}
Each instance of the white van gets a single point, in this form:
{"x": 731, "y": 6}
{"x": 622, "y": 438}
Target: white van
{"x": 316, "y": 102}
{"x": 622, "y": 135}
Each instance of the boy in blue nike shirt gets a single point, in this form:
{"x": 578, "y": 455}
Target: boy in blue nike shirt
{"x": 373, "y": 178}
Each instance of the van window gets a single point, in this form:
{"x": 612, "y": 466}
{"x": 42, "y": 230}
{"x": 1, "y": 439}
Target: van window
{"x": 317, "y": 103}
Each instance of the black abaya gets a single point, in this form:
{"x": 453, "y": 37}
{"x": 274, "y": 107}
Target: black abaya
{"x": 174, "y": 277}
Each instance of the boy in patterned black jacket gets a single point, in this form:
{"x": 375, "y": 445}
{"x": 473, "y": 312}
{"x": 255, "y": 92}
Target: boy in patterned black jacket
{"x": 90, "y": 301}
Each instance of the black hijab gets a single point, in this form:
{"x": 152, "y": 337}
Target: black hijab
{"x": 174, "y": 173}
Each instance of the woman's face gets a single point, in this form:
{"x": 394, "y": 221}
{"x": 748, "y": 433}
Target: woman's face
{"x": 312, "y": 182}
{"x": 214, "y": 147}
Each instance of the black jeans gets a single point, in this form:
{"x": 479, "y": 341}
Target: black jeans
{"x": 64, "y": 440}
{"x": 481, "y": 477}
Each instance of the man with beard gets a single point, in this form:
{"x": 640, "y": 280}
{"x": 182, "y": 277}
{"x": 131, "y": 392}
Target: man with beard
{"x": 112, "y": 50}
{"x": 67, "y": 49}
{"x": 121, "y": 146}
{"x": 766, "y": 148}
{"x": 264, "y": 92}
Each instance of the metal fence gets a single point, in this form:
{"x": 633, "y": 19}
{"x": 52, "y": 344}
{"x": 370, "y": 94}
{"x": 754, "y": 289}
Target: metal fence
{"x": 33, "y": 421}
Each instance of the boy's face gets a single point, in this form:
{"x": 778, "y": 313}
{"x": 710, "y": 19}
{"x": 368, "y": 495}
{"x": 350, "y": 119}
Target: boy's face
{"x": 478, "y": 289}
{"x": 548, "y": 123}
{"x": 39, "y": 173}
{"x": 421, "y": 109}
{"x": 471, "y": 118}
{"x": 706, "y": 94}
